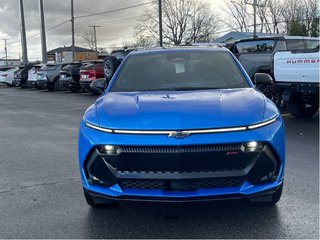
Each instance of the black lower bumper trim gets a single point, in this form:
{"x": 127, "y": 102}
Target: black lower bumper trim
{"x": 229, "y": 197}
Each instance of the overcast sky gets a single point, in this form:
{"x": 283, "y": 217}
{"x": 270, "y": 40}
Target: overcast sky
{"x": 116, "y": 28}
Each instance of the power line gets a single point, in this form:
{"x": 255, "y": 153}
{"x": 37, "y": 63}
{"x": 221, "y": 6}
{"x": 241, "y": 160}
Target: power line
{"x": 47, "y": 30}
{"x": 116, "y": 10}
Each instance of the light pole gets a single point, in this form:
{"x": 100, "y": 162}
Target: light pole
{"x": 255, "y": 5}
{"x": 160, "y": 23}
{"x": 95, "y": 36}
{"x": 43, "y": 33}
{"x": 72, "y": 30}
{"x": 23, "y": 34}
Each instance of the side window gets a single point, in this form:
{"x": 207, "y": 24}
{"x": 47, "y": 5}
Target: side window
{"x": 312, "y": 44}
{"x": 255, "y": 46}
{"x": 295, "y": 44}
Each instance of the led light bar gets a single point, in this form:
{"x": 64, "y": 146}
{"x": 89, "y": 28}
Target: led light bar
{"x": 185, "y": 132}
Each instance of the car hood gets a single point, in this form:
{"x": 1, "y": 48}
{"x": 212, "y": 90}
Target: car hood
{"x": 180, "y": 110}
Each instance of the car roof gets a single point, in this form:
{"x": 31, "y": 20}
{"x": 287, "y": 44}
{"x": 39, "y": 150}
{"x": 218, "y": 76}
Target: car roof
{"x": 205, "y": 48}
{"x": 277, "y": 38}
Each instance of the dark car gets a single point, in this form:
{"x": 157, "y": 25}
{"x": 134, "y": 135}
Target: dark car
{"x": 90, "y": 72}
{"x": 256, "y": 54}
{"x": 111, "y": 62}
{"x": 17, "y": 76}
{"x": 70, "y": 76}
{"x": 22, "y": 82}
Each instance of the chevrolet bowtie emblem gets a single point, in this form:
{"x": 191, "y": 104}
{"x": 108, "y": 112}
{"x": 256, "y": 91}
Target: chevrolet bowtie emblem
{"x": 178, "y": 135}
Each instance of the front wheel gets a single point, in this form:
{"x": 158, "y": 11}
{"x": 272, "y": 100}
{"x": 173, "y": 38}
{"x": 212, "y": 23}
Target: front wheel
{"x": 298, "y": 108}
{"x": 56, "y": 85}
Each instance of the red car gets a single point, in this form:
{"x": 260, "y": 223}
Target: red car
{"x": 89, "y": 73}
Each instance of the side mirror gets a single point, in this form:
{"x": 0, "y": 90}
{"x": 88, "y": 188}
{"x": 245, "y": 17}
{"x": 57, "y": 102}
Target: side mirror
{"x": 262, "y": 78}
{"x": 98, "y": 86}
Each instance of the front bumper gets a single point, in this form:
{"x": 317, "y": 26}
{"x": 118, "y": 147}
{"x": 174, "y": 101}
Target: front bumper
{"x": 41, "y": 83}
{"x": 86, "y": 85}
{"x": 17, "y": 82}
{"x": 207, "y": 198}
{"x": 175, "y": 188}
{"x": 32, "y": 83}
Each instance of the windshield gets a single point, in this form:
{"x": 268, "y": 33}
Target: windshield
{"x": 179, "y": 71}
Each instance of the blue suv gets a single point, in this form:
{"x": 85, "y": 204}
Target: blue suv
{"x": 182, "y": 124}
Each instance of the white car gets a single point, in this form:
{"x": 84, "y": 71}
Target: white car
{"x": 32, "y": 75}
{"x": 7, "y": 75}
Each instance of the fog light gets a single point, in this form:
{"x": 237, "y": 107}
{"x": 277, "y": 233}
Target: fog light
{"x": 110, "y": 150}
{"x": 250, "y": 146}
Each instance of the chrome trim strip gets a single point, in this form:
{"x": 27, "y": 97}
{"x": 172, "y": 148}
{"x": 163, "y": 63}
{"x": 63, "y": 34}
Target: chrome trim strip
{"x": 142, "y": 132}
{"x": 263, "y": 123}
{"x": 186, "y": 132}
{"x": 98, "y": 128}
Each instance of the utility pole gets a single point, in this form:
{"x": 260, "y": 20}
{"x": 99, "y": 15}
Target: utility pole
{"x": 95, "y": 36}
{"x": 43, "y": 33}
{"x": 160, "y": 24}
{"x": 72, "y": 29}
{"x": 255, "y": 5}
{"x": 6, "y": 50}
{"x": 23, "y": 34}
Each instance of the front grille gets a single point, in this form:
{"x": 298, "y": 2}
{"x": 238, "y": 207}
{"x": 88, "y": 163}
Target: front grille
{"x": 137, "y": 184}
{"x": 185, "y": 159}
{"x": 183, "y": 168}
{"x": 220, "y": 183}
{"x": 182, "y": 149}
{"x": 188, "y": 185}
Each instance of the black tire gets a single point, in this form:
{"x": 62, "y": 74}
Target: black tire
{"x": 56, "y": 85}
{"x": 269, "y": 200}
{"x": 298, "y": 108}
{"x": 94, "y": 202}
{"x": 110, "y": 65}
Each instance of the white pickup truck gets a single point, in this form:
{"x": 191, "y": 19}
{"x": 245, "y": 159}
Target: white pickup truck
{"x": 296, "y": 82}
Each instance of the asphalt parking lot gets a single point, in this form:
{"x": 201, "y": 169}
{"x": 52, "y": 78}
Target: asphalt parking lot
{"x": 41, "y": 194}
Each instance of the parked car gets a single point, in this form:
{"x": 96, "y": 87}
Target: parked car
{"x": 70, "y": 76}
{"x": 256, "y": 54}
{"x": 89, "y": 73}
{"x": 182, "y": 124}
{"x": 295, "y": 83}
{"x": 111, "y": 63}
{"x": 7, "y": 75}
{"x": 24, "y": 73}
{"x": 17, "y": 76}
{"x": 48, "y": 76}
{"x": 32, "y": 76}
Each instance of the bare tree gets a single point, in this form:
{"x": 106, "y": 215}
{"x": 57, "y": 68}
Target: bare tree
{"x": 201, "y": 17}
{"x": 311, "y": 14}
{"x": 240, "y": 16}
{"x": 88, "y": 39}
{"x": 274, "y": 9}
{"x": 183, "y": 21}
{"x": 292, "y": 11}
